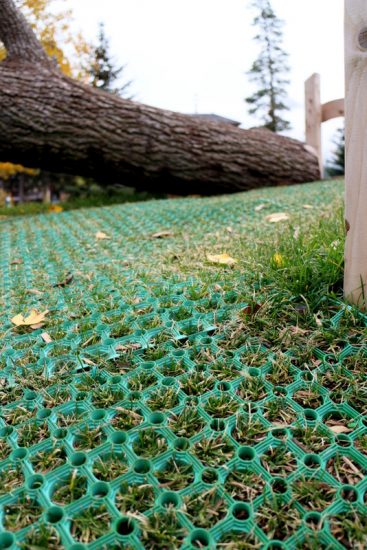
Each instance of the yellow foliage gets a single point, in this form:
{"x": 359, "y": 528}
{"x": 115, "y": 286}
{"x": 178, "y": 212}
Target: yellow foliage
{"x": 60, "y": 41}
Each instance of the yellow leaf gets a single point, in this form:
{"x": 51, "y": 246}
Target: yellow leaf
{"x": 277, "y": 217}
{"x": 278, "y": 259}
{"x": 100, "y": 235}
{"x": 223, "y": 259}
{"x": 55, "y": 208}
{"x": 34, "y": 318}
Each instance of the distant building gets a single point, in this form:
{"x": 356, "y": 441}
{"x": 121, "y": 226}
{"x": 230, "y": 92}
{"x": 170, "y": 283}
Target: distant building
{"x": 217, "y": 118}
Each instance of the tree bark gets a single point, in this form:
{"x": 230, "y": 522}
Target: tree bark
{"x": 50, "y": 121}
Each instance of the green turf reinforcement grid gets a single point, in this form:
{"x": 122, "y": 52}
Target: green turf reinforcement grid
{"x": 137, "y": 428}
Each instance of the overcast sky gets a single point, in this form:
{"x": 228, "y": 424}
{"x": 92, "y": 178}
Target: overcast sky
{"x": 192, "y": 55}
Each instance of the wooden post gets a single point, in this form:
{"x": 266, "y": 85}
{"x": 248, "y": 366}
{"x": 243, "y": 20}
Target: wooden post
{"x": 355, "y": 280}
{"x": 313, "y": 110}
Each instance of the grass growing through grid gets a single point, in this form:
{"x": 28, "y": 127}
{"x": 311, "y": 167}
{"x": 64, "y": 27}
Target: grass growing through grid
{"x": 263, "y": 369}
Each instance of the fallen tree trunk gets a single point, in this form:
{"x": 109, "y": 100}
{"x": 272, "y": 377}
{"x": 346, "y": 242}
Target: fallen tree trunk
{"x": 50, "y": 121}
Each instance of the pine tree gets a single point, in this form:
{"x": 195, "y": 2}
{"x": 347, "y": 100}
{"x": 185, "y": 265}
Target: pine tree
{"x": 269, "y": 70}
{"x": 103, "y": 73}
{"x": 337, "y": 165}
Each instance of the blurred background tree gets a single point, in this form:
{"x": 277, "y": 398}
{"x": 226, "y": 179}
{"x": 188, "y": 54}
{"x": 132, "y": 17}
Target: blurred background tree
{"x": 103, "y": 72}
{"x": 269, "y": 70}
{"x": 336, "y": 165}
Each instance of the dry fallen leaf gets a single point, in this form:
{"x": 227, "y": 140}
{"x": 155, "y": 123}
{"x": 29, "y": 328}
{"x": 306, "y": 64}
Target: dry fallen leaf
{"x": 229, "y": 229}
{"x": 260, "y": 207}
{"x": 277, "y": 217}
{"x": 69, "y": 277}
{"x": 127, "y": 347}
{"x": 34, "y": 291}
{"x": 88, "y": 361}
{"x": 223, "y": 259}
{"x": 308, "y": 206}
{"x": 17, "y": 261}
{"x": 162, "y": 234}
{"x": 46, "y": 337}
{"x": 339, "y": 429}
{"x": 34, "y": 319}
{"x": 101, "y": 236}
{"x": 55, "y": 208}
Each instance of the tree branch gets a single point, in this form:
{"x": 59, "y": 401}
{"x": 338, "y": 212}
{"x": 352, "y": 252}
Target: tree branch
{"x": 18, "y": 37}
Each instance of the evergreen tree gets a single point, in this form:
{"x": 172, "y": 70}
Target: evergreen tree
{"x": 269, "y": 70}
{"x": 103, "y": 73}
{"x": 337, "y": 165}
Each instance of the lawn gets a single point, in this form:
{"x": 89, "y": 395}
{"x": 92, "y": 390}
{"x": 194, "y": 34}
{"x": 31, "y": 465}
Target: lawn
{"x": 166, "y": 400}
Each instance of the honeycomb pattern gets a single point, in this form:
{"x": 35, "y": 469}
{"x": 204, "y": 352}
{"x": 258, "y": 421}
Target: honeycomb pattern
{"x": 139, "y": 427}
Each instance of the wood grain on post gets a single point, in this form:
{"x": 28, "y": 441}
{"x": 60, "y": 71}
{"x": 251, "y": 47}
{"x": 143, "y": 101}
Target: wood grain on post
{"x": 314, "y": 115}
{"x": 355, "y": 279}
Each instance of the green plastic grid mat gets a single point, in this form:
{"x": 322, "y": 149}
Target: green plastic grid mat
{"x": 136, "y": 427}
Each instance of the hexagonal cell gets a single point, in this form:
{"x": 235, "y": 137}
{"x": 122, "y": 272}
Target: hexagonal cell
{"x": 173, "y": 367}
{"x": 313, "y": 493}
{"x": 21, "y": 513}
{"x": 197, "y": 383}
{"x": 133, "y": 498}
{"x": 5, "y": 449}
{"x": 42, "y": 536}
{"x": 249, "y": 430}
{"x": 309, "y": 398}
{"x": 336, "y": 380}
{"x": 71, "y": 416}
{"x": 88, "y": 438}
{"x": 70, "y": 488}
{"x": 88, "y": 382}
{"x": 56, "y": 396}
{"x": 48, "y": 459}
{"x": 205, "y": 509}
{"x": 255, "y": 357}
{"x": 339, "y": 422}
{"x": 244, "y": 485}
{"x": 252, "y": 388}
{"x": 278, "y": 520}
{"x": 142, "y": 381}
{"x": 106, "y": 397}
{"x": 162, "y": 531}
{"x": 345, "y": 469}
{"x": 32, "y": 433}
{"x": 17, "y": 415}
{"x": 311, "y": 541}
{"x": 280, "y": 411}
{"x": 360, "y": 443}
{"x": 224, "y": 370}
{"x": 238, "y": 540}
{"x": 357, "y": 398}
{"x": 187, "y": 423}
{"x": 214, "y": 451}
{"x": 279, "y": 461}
{"x": 163, "y": 399}
{"x": 108, "y": 466}
{"x": 90, "y": 524}
{"x": 175, "y": 475}
{"x": 10, "y": 478}
{"x": 311, "y": 439}
{"x": 350, "y": 528}
{"x": 149, "y": 443}
{"x": 127, "y": 418}
{"x": 221, "y": 406}
{"x": 282, "y": 371}
{"x": 356, "y": 364}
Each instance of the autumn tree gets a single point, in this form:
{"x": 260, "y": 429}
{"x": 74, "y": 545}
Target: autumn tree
{"x": 103, "y": 72}
{"x": 269, "y": 70}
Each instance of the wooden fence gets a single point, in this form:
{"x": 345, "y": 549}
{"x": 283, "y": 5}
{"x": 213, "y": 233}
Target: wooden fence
{"x": 317, "y": 113}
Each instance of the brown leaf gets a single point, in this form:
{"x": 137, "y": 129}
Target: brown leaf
{"x": 127, "y": 347}
{"x": 277, "y": 217}
{"x": 17, "y": 261}
{"x": 69, "y": 277}
{"x": 251, "y": 309}
{"x": 162, "y": 234}
{"x": 308, "y": 206}
{"x": 260, "y": 207}
{"x": 34, "y": 291}
{"x": 46, "y": 337}
{"x": 340, "y": 429}
{"x": 101, "y": 236}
